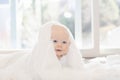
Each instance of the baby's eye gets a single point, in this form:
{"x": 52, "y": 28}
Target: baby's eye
{"x": 64, "y": 42}
{"x": 55, "y": 41}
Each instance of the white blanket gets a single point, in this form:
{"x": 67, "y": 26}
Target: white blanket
{"x": 13, "y": 67}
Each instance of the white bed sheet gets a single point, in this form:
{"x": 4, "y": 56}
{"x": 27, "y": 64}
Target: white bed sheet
{"x": 12, "y": 67}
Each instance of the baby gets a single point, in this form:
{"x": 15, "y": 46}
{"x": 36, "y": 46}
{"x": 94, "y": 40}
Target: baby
{"x": 55, "y": 42}
{"x": 55, "y": 51}
{"x": 61, "y": 40}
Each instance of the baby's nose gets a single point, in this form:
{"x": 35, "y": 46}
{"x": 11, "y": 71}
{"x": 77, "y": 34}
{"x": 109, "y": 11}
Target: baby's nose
{"x": 59, "y": 44}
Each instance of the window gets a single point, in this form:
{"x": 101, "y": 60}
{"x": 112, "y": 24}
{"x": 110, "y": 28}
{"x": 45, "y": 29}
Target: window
{"x": 109, "y": 23}
{"x": 5, "y": 36}
{"x": 105, "y": 23}
{"x": 83, "y": 25}
{"x": 94, "y": 23}
{"x": 103, "y": 31}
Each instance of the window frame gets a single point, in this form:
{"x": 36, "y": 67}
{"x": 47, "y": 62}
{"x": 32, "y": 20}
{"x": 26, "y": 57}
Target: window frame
{"x": 95, "y": 23}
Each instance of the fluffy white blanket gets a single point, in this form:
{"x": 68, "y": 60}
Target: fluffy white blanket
{"x": 12, "y": 67}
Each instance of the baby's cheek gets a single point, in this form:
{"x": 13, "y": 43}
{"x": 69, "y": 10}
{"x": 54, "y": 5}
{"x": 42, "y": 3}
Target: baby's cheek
{"x": 67, "y": 49}
{"x": 65, "y": 52}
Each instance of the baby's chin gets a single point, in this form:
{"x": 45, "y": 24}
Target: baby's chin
{"x": 59, "y": 56}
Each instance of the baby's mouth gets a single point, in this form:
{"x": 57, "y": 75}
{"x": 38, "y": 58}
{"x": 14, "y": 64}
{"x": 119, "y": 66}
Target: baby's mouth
{"x": 59, "y": 50}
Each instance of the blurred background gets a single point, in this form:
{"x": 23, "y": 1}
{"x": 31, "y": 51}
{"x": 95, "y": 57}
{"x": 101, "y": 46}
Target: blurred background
{"x": 20, "y": 21}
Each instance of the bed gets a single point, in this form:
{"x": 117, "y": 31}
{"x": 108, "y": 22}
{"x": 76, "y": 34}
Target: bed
{"x": 100, "y": 68}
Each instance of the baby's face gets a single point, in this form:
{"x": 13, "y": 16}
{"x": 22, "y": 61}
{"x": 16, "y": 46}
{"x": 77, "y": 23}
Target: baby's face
{"x": 60, "y": 38}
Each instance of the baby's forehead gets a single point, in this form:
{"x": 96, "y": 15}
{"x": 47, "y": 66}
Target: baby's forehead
{"x": 59, "y": 27}
{"x": 59, "y": 32}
